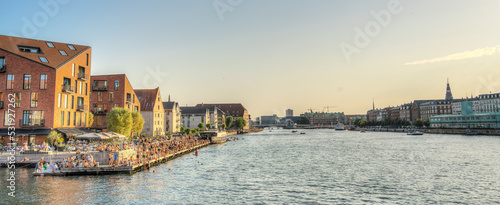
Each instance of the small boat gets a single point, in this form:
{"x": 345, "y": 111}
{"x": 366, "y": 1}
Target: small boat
{"x": 339, "y": 127}
{"x": 415, "y": 133}
{"x": 294, "y": 131}
{"x": 302, "y": 133}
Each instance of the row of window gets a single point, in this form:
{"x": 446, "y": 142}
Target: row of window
{"x": 82, "y": 118}
{"x": 27, "y": 82}
{"x": 103, "y": 85}
{"x": 17, "y": 99}
{"x": 79, "y": 100}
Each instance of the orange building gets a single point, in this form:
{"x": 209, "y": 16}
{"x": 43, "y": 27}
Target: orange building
{"x": 48, "y": 83}
{"x": 109, "y": 91}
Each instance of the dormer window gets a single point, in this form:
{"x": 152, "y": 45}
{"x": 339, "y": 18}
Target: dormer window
{"x": 63, "y": 52}
{"x": 43, "y": 59}
{"x": 71, "y": 48}
{"x": 29, "y": 49}
{"x": 50, "y": 45}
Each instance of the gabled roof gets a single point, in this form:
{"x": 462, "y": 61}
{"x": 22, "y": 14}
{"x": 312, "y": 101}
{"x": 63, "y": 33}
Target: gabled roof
{"x": 194, "y": 110}
{"x": 232, "y": 108}
{"x": 54, "y": 57}
{"x": 169, "y": 105}
{"x": 147, "y": 98}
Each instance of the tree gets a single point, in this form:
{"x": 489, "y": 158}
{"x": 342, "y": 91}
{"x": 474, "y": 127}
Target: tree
{"x": 223, "y": 126}
{"x": 188, "y": 131}
{"x": 229, "y": 121}
{"x": 419, "y": 123}
{"x": 137, "y": 122}
{"x": 201, "y": 125}
{"x": 240, "y": 123}
{"x": 303, "y": 121}
{"x": 427, "y": 123}
{"x": 119, "y": 120}
{"x": 183, "y": 129}
{"x": 90, "y": 119}
{"x": 54, "y": 137}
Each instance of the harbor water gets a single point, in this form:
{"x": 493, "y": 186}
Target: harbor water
{"x": 281, "y": 167}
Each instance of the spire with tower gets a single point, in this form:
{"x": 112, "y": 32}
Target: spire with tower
{"x": 449, "y": 96}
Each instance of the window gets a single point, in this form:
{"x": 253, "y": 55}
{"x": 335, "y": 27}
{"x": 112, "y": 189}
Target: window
{"x": 86, "y": 86}
{"x": 63, "y": 52}
{"x": 111, "y": 96}
{"x": 59, "y": 101}
{"x": 30, "y": 49}
{"x": 66, "y": 101}
{"x": 76, "y": 87}
{"x": 71, "y": 48}
{"x": 117, "y": 84}
{"x": 73, "y": 70}
{"x": 62, "y": 118}
{"x": 133, "y": 98}
{"x": 49, "y": 44}
{"x": 69, "y": 118}
{"x": 74, "y": 118}
{"x": 10, "y": 81}
{"x": 79, "y": 119}
{"x": 116, "y": 105}
{"x": 129, "y": 97}
{"x": 87, "y": 59}
{"x": 72, "y": 102}
{"x": 17, "y": 101}
{"x": 79, "y": 102}
{"x": 32, "y": 118}
{"x": 84, "y": 119}
{"x": 43, "y": 59}
{"x": 7, "y": 121}
{"x": 43, "y": 82}
{"x": 2, "y": 62}
{"x": 34, "y": 99}
{"x": 99, "y": 97}
{"x": 80, "y": 88}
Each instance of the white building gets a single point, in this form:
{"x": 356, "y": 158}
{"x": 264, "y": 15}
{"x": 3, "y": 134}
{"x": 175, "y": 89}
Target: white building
{"x": 172, "y": 116}
{"x": 489, "y": 103}
{"x": 192, "y": 116}
{"x": 289, "y": 113}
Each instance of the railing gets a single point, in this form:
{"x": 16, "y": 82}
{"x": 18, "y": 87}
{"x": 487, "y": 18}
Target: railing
{"x": 100, "y": 112}
{"x": 80, "y": 108}
{"x": 68, "y": 88}
{"x": 129, "y": 101}
{"x": 40, "y": 123}
{"x": 83, "y": 76}
{"x": 1, "y": 104}
{"x": 100, "y": 88}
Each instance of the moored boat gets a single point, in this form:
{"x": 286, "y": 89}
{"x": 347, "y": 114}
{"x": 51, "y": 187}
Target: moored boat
{"x": 415, "y": 133}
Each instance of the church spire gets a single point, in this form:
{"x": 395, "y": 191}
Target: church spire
{"x": 373, "y": 100}
{"x": 449, "y": 96}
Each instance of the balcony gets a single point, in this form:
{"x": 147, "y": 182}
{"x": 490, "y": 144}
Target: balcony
{"x": 100, "y": 88}
{"x": 1, "y": 104}
{"x": 68, "y": 89}
{"x": 129, "y": 101}
{"x": 83, "y": 76}
{"x": 38, "y": 123}
{"x": 100, "y": 112}
{"x": 80, "y": 108}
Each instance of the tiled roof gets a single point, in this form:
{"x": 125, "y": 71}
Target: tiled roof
{"x": 194, "y": 110}
{"x": 169, "y": 105}
{"x": 147, "y": 98}
{"x": 234, "y": 109}
{"x": 53, "y": 55}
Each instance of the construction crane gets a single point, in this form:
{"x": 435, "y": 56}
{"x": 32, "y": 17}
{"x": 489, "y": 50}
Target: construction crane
{"x": 328, "y": 108}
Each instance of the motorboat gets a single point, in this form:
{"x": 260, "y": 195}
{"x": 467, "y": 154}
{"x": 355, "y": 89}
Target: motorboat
{"x": 415, "y": 133}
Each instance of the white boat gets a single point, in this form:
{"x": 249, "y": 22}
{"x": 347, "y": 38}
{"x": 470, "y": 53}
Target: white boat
{"x": 215, "y": 136}
{"x": 415, "y": 133}
{"x": 339, "y": 127}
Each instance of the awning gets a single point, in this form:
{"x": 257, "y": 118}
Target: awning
{"x": 71, "y": 132}
{"x": 100, "y": 136}
{"x": 24, "y": 132}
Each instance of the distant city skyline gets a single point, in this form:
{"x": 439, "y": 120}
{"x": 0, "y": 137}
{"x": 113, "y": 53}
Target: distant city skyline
{"x": 279, "y": 55}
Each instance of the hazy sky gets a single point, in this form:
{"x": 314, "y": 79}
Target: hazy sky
{"x": 272, "y": 55}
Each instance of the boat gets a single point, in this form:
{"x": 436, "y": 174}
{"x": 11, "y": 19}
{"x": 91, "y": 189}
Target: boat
{"x": 339, "y": 127}
{"x": 362, "y": 130}
{"x": 470, "y": 132}
{"x": 294, "y": 131}
{"x": 302, "y": 133}
{"x": 215, "y": 137}
{"x": 415, "y": 133}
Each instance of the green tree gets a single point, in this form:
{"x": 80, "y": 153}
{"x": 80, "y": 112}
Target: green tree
{"x": 362, "y": 123}
{"x": 119, "y": 120}
{"x": 427, "y": 123}
{"x": 223, "y": 126}
{"x": 54, "y": 137}
{"x": 240, "y": 123}
{"x": 229, "y": 121}
{"x": 137, "y": 122}
{"x": 183, "y": 129}
{"x": 303, "y": 121}
{"x": 90, "y": 119}
{"x": 201, "y": 125}
{"x": 419, "y": 123}
{"x": 188, "y": 131}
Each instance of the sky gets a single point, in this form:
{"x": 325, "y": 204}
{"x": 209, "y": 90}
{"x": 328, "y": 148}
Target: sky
{"x": 281, "y": 54}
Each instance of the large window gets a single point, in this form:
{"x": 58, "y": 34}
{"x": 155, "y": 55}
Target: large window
{"x": 79, "y": 102}
{"x": 62, "y": 118}
{"x": 43, "y": 81}
{"x": 84, "y": 119}
{"x": 69, "y": 118}
{"x": 33, "y": 118}
{"x": 117, "y": 84}
{"x": 17, "y": 102}
{"x": 34, "y": 99}
{"x": 111, "y": 96}
{"x": 66, "y": 101}
{"x": 74, "y": 118}
{"x": 27, "y": 82}
{"x": 99, "y": 97}
{"x": 86, "y": 86}
{"x": 10, "y": 81}
{"x": 72, "y": 102}
{"x": 79, "y": 119}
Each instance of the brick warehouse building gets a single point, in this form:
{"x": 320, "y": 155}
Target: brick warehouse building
{"x": 50, "y": 84}
{"x": 109, "y": 91}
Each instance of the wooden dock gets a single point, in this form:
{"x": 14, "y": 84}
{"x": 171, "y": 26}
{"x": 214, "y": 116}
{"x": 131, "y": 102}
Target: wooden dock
{"x": 106, "y": 169}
